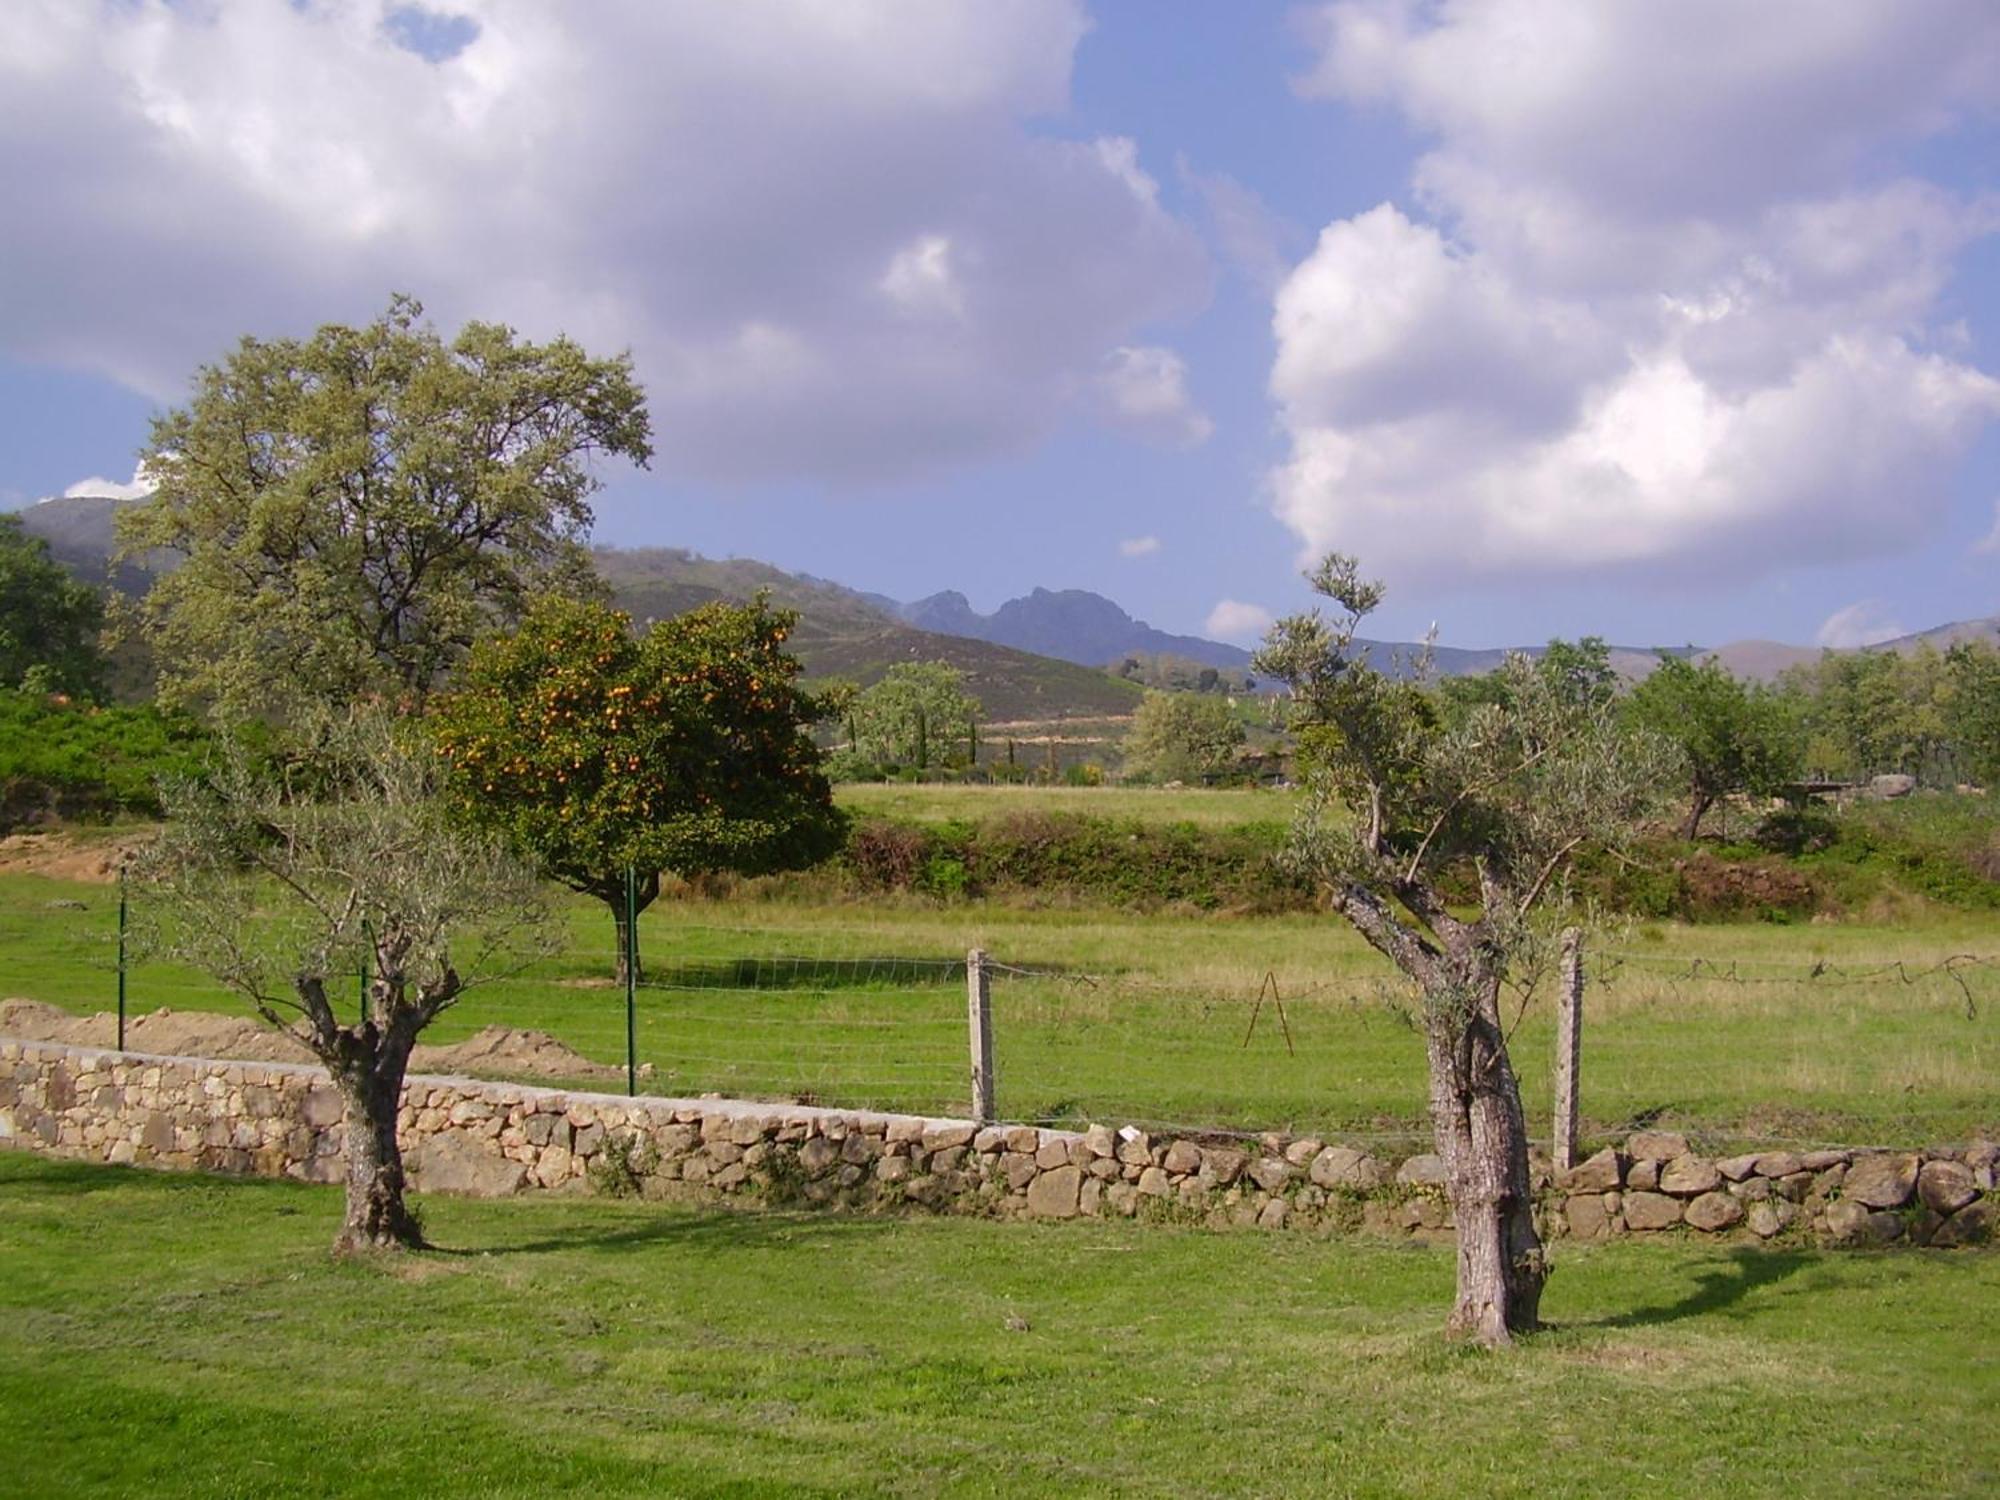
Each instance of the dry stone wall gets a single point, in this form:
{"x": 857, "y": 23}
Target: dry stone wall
{"x": 492, "y": 1139}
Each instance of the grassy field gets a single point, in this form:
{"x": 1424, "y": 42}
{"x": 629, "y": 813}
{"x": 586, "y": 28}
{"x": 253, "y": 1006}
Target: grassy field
{"x": 1128, "y": 1017}
{"x": 188, "y": 1336}
{"x": 940, "y": 802}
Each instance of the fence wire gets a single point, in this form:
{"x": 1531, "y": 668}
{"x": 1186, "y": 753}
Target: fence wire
{"x": 1885, "y": 1049}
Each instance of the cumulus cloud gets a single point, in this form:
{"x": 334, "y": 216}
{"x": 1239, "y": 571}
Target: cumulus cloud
{"x": 1233, "y": 620}
{"x": 1654, "y": 305}
{"x": 1863, "y": 623}
{"x": 841, "y": 240}
{"x": 1139, "y": 546}
{"x": 1146, "y": 389}
{"x": 137, "y": 488}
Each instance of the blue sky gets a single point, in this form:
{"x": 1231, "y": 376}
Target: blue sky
{"x": 1665, "y": 323}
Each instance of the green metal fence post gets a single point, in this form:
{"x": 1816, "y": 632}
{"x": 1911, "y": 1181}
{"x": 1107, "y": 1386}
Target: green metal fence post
{"x": 122, "y": 900}
{"x": 631, "y": 980}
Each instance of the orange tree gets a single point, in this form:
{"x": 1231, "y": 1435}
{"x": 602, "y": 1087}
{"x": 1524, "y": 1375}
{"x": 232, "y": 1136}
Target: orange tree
{"x": 684, "y": 749}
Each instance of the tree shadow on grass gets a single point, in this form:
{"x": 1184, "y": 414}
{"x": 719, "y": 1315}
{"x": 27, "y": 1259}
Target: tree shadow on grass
{"x": 721, "y": 1229}
{"x": 52, "y": 1176}
{"x": 1716, "y": 1290}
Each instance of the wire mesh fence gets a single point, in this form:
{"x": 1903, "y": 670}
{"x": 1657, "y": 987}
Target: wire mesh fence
{"x": 1819, "y": 1050}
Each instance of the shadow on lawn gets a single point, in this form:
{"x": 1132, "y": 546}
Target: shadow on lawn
{"x": 724, "y": 1229}
{"x": 1716, "y": 1290}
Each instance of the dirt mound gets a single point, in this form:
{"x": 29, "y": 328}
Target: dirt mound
{"x": 504, "y": 1051}
{"x": 65, "y": 856}
{"x": 494, "y": 1052}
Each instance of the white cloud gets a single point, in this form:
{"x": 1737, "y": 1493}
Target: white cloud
{"x": 1139, "y": 546}
{"x": 840, "y": 240}
{"x": 1233, "y": 620}
{"x": 1146, "y": 389}
{"x": 1862, "y": 623}
{"x": 1651, "y": 314}
{"x": 137, "y": 488}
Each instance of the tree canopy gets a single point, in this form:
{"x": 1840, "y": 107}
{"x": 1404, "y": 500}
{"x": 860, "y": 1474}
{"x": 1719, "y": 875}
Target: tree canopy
{"x": 683, "y": 749}
{"x": 355, "y": 508}
{"x": 49, "y": 622}
{"x": 1182, "y": 737}
{"x": 1731, "y": 736}
{"x": 917, "y": 714}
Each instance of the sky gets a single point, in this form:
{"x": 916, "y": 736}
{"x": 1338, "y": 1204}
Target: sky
{"x": 1670, "y": 323}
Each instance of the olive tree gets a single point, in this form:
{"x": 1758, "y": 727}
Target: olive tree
{"x": 285, "y": 883}
{"x": 353, "y": 509}
{"x": 1405, "y": 812}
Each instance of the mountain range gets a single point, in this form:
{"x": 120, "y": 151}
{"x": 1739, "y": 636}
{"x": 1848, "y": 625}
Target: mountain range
{"x": 1035, "y": 657}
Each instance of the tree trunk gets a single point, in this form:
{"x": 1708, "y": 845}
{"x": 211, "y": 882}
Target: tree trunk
{"x": 614, "y": 897}
{"x": 371, "y": 1085}
{"x": 1483, "y": 1139}
{"x": 1701, "y": 804}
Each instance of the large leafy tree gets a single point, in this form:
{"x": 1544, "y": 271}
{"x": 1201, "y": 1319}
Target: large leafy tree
{"x": 1182, "y": 737}
{"x": 1972, "y": 710}
{"x": 49, "y": 622}
{"x": 283, "y": 881}
{"x": 685, "y": 749}
{"x": 917, "y": 714}
{"x": 1404, "y": 807}
{"x": 355, "y": 508}
{"x": 1732, "y": 737}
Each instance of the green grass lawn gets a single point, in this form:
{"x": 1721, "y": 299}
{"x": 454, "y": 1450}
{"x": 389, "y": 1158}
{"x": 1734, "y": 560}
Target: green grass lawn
{"x": 190, "y": 1336}
{"x": 1144, "y": 1018}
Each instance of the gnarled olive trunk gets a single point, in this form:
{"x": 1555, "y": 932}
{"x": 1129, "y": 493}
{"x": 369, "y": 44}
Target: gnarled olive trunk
{"x": 369, "y": 1073}
{"x": 1482, "y": 1137}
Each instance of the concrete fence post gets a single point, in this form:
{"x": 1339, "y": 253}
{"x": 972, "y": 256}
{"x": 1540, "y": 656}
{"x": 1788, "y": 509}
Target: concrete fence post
{"x": 1569, "y": 1042}
{"x": 979, "y": 1017}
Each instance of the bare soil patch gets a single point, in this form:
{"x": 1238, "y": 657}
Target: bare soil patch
{"x": 494, "y": 1052}
{"x": 66, "y": 856}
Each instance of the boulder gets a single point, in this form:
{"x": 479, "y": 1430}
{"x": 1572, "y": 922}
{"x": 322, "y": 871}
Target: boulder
{"x": 1769, "y": 1218}
{"x": 1886, "y": 788}
{"x": 1712, "y": 1212}
{"x": 1882, "y": 1180}
{"x": 1343, "y": 1167}
{"x": 1736, "y": 1168}
{"x": 1427, "y": 1170}
{"x": 447, "y": 1164}
{"x": 1973, "y": 1224}
{"x": 1270, "y": 1173}
{"x": 1643, "y": 1176}
{"x": 1846, "y": 1221}
{"x": 1946, "y": 1186}
{"x": 1689, "y": 1175}
{"x": 1100, "y": 1140}
{"x": 1596, "y": 1174}
{"x": 1779, "y": 1164}
{"x": 1586, "y": 1216}
{"x": 1153, "y": 1182}
{"x": 1053, "y": 1195}
{"x": 1644, "y": 1211}
{"x": 1183, "y": 1157}
{"x": 1656, "y": 1145}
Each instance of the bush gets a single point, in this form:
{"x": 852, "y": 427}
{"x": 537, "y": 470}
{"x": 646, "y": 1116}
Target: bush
{"x": 62, "y": 760}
